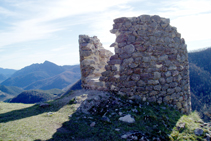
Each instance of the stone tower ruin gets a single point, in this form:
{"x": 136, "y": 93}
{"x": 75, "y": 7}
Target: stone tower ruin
{"x": 150, "y": 62}
{"x": 93, "y": 58}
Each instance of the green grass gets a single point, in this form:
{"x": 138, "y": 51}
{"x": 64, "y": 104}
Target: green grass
{"x": 31, "y": 122}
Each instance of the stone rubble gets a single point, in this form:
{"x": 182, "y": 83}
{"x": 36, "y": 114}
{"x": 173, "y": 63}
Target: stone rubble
{"x": 106, "y": 105}
{"x": 132, "y": 136}
{"x": 87, "y": 99}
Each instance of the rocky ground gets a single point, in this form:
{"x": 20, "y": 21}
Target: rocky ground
{"x": 106, "y": 116}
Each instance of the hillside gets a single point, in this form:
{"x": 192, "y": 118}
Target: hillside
{"x": 201, "y": 59}
{"x": 11, "y": 89}
{"x": 73, "y": 68}
{"x": 5, "y": 96}
{"x": 48, "y": 67}
{"x": 200, "y": 81}
{"x": 200, "y": 72}
{"x": 7, "y": 92}
{"x": 2, "y": 77}
{"x": 44, "y": 76}
{"x": 64, "y": 119}
{"x": 6, "y": 73}
{"x": 34, "y": 96}
{"x": 73, "y": 87}
{"x": 59, "y": 81}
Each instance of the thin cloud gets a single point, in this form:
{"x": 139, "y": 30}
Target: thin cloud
{"x": 61, "y": 48}
{"x": 6, "y": 12}
{"x": 25, "y": 31}
{"x": 185, "y": 8}
{"x": 41, "y": 16}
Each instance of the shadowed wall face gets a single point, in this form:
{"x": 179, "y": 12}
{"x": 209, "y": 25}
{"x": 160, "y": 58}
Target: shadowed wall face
{"x": 150, "y": 62}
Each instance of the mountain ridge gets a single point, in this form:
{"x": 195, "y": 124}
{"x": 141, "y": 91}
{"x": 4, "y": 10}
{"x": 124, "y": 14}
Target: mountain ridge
{"x": 6, "y": 73}
{"x": 31, "y": 76}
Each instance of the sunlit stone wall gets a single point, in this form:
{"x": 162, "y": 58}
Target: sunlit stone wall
{"x": 93, "y": 58}
{"x": 150, "y": 62}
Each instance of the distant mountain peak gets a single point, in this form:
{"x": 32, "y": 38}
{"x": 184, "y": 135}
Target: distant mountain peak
{"x": 48, "y": 62}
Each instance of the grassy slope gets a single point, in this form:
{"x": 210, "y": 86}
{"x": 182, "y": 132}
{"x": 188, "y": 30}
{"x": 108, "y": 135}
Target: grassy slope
{"x": 30, "y": 122}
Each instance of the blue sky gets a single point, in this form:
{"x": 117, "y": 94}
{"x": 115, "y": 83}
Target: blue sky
{"x": 32, "y": 31}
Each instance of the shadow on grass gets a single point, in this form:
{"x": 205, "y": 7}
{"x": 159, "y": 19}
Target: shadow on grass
{"x": 29, "y": 111}
{"x": 152, "y": 121}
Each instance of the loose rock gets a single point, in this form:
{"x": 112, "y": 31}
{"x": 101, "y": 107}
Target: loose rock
{"x": 127, "y": 119}
{"x": 92, "y": 124}
{"x": 198, "y": 131}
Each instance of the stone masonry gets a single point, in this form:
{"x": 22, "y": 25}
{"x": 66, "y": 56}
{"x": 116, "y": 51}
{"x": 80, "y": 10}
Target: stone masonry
{"x": 150, "y": 62}
{"x": 93, "y": 58}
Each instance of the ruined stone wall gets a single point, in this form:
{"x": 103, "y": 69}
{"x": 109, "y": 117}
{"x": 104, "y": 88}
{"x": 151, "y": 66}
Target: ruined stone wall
{"x": 150, "y": 62}
{"x": 93, "y": 58}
